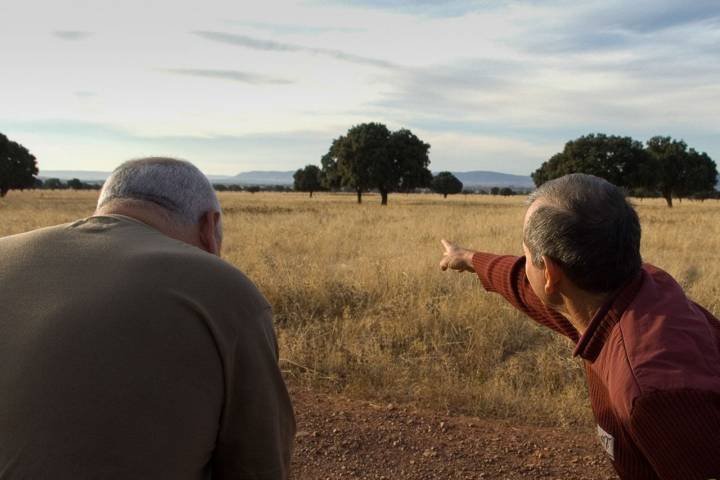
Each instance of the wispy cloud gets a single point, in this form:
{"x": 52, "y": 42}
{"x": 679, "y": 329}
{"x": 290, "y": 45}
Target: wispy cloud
{"x": 647, "y": 16}
{"x": 614, "y": 25}
{"x": 471, "y": 89}
{"x": 537, "y": 72}
{"x": 432, "y": 8}
{"x": 72, "y": 34}
{"x": 281, "y": 149}
{"x": 290, "y": 29}
{"x": 642, "y": 16}
{"x": 271, "y": 45}
{"x": 232, "y": 75}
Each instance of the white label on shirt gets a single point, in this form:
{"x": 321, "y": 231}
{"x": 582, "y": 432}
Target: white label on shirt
{"x": 607, "y": 441}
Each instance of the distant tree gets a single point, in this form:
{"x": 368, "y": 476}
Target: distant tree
{"x": 362, "y": 156}
{"x": 495, "y": 191}
{"x": 308, "y": 179}
{"x": 619, "y": 160}
{"x": 702, "y": 196}
{"x": 410, "y": 161}
{"x": 680, "y": 172}
{"x": 700, "y": 175}
{"x": 75, "y": 184}
{"x": 54, "y": 184}
{"x": 252, "y": 189}
{"x": 506, "y": 191}
{"x": 446, "y": 183}
{"x": 17, "y": 166}
{"x": 330, "y": 175}
{"x": 664, "y": 165}
{"x": 370, "y": 156}
{"x": 220, "y": 187}
{"x": 643, "y": 192}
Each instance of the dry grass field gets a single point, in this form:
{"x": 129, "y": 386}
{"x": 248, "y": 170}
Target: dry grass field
{"x": 362, "y": 308}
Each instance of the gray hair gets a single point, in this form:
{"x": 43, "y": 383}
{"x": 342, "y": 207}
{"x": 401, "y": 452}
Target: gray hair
{"x": 177, "y": 186}
{"x": 588, "y": 227}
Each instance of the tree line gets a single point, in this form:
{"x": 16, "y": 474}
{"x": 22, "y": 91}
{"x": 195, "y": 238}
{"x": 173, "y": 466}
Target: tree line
{"x": 371, "y": 157}
{"x": 663, "y": 166}
{"x": 72, "y": 184}
{"x": 234, "y": 187}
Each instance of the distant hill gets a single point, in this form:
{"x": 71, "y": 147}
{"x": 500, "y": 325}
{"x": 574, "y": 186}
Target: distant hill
{"x": 481, "y": 178}
{"x": 84, "y": 175}
{"x": 475, "y": 178}
{"x": 245, "y": 178}
{"x": 259, "y": 177}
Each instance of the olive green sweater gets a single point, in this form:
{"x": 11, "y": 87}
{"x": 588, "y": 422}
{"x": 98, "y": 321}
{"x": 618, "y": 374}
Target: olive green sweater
{"x": 126, "y": 354}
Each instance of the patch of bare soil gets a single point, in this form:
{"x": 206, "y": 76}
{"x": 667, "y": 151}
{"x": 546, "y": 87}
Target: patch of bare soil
{"x": 338, "y": 438}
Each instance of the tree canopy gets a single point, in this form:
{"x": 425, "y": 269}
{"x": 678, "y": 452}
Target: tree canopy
{"x": 446, "y": 183}
{"x": 17, "y": 166}
{"x": 308, "y": 179}
{"x": 329, "y": 175}
{"x": 371, "y": 156}
{"x": 75, "y": 184}
{"x": 664, "y": 165}
{"x": 411, "y": 160}
{"x": 619, "y": 160}
{"x": 680, "y": 172}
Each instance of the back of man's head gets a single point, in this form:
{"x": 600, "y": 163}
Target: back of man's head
{"x": 177, "y": 186}
{"x": 586, "y": 225}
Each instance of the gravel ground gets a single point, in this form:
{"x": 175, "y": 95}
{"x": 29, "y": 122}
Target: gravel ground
{"x": 338, "y": 438}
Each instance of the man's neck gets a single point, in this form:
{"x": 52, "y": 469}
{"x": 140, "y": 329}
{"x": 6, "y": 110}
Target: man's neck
{"x": 153, "y": 217}
{"x": 581, "y": 308}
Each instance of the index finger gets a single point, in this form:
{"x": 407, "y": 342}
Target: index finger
{"x": 448, "y": 246}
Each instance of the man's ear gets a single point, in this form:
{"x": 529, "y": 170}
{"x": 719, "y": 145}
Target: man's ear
{"x": 208, "y": 226}
{"x": 553, "y": 275}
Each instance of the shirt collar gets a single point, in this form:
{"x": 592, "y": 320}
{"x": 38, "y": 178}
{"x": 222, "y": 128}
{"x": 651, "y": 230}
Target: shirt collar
{"x": 599, "y": 328}
{"x": 118, "y": 216}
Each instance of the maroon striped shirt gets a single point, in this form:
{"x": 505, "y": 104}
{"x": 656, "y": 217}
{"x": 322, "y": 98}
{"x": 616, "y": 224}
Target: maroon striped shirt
{"x": 652, "y": 362}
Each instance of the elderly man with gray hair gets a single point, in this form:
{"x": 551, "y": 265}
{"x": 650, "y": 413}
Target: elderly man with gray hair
{"x": 129, "y": 349}
{"x": 651, "y": 355}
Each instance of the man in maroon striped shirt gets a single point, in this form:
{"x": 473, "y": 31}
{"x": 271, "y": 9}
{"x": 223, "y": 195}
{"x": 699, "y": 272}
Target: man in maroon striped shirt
{"x": 651, "y": 355}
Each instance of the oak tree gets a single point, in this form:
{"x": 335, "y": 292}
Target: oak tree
{"x": 308, "y": 179}
{"x": 17, "y": 166}
{"x": 446, "y": 183}
{"x": 680, "y": 172}
{"x": 371, "y": 156}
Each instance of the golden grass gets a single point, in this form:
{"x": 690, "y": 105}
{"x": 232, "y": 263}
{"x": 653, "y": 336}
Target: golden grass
{"x": 362, "y": 308}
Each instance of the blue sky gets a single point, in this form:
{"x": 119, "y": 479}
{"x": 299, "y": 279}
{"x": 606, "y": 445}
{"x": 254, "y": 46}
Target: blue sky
{"x": 236, "y": 86}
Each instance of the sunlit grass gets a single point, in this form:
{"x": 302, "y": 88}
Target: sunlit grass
{"x": 362, "y": 308}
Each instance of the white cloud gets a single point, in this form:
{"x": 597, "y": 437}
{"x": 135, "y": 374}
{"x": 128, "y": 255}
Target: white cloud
{"x": 491, "y": 85}
{"x": 485, "y": 152}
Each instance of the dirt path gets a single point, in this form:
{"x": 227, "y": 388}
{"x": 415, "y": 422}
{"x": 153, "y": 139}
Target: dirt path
{"x": 348, "y": 439}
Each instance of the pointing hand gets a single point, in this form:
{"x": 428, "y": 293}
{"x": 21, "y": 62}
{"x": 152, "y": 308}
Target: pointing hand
{"x": 456, "y": 258}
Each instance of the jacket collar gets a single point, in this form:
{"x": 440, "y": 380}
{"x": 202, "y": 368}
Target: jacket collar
{"x": 598, "y": 331}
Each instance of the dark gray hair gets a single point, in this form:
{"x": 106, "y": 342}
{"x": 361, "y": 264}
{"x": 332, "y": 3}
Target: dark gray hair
{"x": 177, "y": 186}
{"x": 587, "y": 225}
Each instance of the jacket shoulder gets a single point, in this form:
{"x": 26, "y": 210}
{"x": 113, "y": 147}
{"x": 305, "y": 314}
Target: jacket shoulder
{"x": 669, "y": 342}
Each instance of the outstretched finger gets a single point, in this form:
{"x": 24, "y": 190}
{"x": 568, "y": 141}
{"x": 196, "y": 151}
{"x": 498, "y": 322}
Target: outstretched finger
{"x": 448, "y": 246}
{"x": 444, "y": 263}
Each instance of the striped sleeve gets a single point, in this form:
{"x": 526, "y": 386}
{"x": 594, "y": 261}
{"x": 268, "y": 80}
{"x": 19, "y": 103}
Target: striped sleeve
{"x": 678, "y": 431}
{"x": 505, "y": 275}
